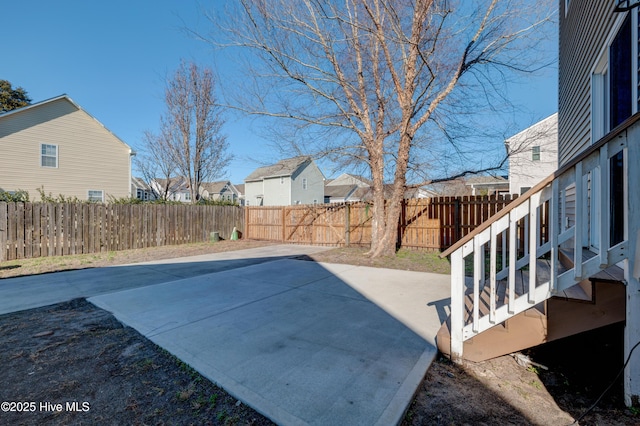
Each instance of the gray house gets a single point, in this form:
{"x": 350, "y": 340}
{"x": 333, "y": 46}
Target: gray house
{"x": 291, "y": 181}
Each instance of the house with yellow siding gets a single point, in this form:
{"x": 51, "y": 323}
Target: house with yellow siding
{"x": 58, "y": 146}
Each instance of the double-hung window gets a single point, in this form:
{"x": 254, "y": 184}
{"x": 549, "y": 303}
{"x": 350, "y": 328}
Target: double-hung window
{"x": 535, "y": 153}
{"x": 48, "y": 155}
{"x": 95, "y": 196}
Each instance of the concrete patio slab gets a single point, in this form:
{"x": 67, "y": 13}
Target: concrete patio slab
{"x": 301, "y": 342}
{"x": 41, "y": 290}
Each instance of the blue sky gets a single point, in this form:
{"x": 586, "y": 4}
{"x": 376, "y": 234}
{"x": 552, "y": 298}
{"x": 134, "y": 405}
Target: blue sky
{"x": 112, "y": 58}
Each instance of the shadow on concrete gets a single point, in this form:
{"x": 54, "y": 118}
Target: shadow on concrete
{"x": 442, "y": 307}
{"x": 298, "y": 341}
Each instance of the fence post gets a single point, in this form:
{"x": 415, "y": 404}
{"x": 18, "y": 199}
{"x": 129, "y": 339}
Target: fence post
{"x": 347, "y": 225}
{"x": 284, "y": 228}
{"x": 456, "y": 219}
{"x": 4, "y": 221}
{"x": 245, "y": 210}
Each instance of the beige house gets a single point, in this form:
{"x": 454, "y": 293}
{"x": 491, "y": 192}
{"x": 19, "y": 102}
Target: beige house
{"x": 58, "y": 146}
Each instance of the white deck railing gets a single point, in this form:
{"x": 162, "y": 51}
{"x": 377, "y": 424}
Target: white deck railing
{"x": 511, "y": 244}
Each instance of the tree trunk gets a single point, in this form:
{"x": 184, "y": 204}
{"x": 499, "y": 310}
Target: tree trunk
{"x": 387, "y": 211}
{"x": 387, "y": 241}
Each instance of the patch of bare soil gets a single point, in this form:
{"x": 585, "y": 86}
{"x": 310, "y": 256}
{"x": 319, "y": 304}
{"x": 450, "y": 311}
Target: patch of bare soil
{"x": 558, "y": 387}
{"x": 78, "y": 354}
{"x": 42, "y": 265}
{"x": 73, "y": 363}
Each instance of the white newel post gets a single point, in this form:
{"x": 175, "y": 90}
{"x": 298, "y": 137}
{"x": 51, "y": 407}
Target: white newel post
{"x": 632, "y": 265}
{"x": 457, "y": 304}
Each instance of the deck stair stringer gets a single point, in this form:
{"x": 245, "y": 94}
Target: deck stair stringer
{"x": 588, "y": 304}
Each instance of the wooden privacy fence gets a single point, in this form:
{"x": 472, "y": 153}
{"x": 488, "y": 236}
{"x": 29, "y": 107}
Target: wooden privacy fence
{"x": 54, "y": 229}
{"x": 425, "y": 223}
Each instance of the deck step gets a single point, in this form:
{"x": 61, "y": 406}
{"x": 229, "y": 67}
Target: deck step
{"x": 592, "y": 303}
{"x": 580, "y": 292}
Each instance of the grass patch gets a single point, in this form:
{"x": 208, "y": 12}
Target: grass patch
{"x": 405, "y": 259}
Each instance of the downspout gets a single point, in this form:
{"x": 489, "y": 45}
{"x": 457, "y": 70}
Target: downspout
{"x": 132, "y": 153}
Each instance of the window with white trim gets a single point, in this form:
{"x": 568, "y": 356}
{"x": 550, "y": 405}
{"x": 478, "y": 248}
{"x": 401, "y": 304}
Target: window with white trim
{"x": 535, "y": 153}
{"x": 613, "y": 90}
{"x": 95, "y": 195}
{"x": 304, "y": 183}
{"x": 613, "y": 80}
{"x": 48, "y": 155}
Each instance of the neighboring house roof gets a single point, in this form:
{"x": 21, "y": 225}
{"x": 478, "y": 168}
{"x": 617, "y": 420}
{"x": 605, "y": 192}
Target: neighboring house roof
{"x": 286, "y": 167}
{"x": 453, "y": 188}
{"x": 489, "y": 183}
{"x": 339, "y": 191}
{"x": 215, "y": 187}
{"x": 461, "y": 187}
{"x": 240, "y": 188}
{"x": 367, "y": 193}
{"x": 176, "y": 184}
{"x": 486, "y": 180}
{"x": 350, "y": 179}
{"x": 68, "y": 99}
{"x": 139, "y": 183}
{"x": 419, "y": 193}
{"x": 544, "y": 132}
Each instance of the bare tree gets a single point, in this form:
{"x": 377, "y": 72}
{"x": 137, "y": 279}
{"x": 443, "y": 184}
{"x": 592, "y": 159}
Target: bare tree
{"x": 190, "y": 144}
{"x": 157, "y": 165}
{"x": 374, "y": 81}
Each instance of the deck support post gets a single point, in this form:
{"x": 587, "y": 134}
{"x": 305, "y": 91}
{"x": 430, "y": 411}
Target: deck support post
{"x": 457, "y": 305}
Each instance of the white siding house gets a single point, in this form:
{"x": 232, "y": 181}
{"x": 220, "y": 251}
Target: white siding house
{"x": 56, "y": 145}
{"x": 291, "y": 181}
{"x": 174, "y": 189}
{"x": 533, "y": 155}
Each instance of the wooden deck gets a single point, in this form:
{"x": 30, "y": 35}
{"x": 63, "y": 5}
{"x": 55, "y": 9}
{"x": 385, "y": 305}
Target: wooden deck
{"x": 591, "y": 303}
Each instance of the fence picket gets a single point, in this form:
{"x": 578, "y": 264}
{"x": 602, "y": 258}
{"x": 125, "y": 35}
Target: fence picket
{"x": 35, "y": 229}
{"x": 30, "y": 230}
{"x": 432, "y": 224}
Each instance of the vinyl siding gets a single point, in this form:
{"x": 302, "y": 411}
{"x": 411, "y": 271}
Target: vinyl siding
{"x": 583, "y": 32}
{"x": 315, "y": 185}
{"x": 252, "y": 190}
{"x": 523, "y": 170}
{"x": 276, "y": 193}
{"x": 89, "y": 156}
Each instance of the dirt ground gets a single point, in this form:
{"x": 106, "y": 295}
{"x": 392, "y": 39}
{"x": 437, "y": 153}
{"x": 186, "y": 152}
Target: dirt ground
{"x": 101, "y": 372}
